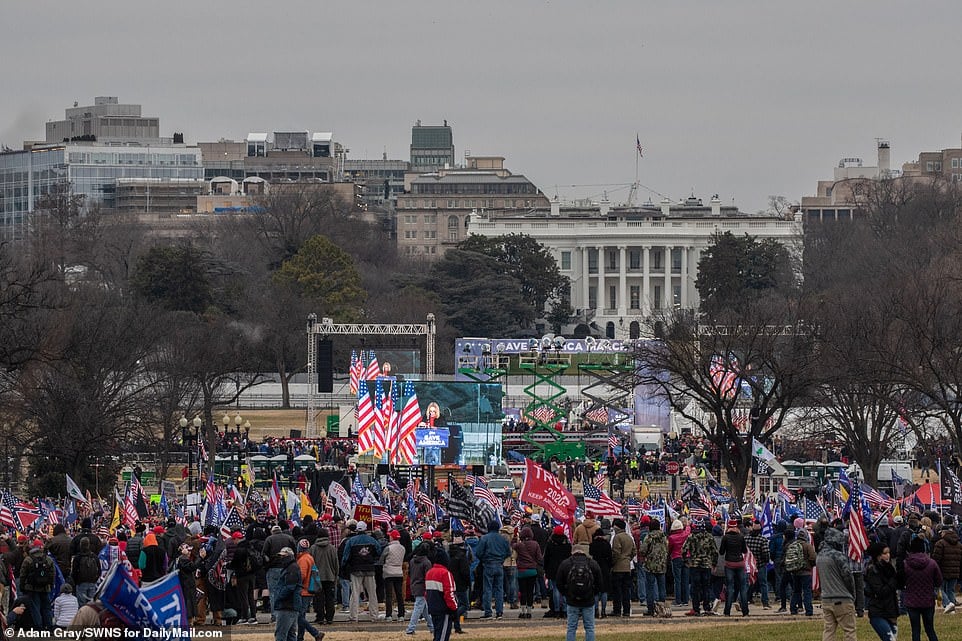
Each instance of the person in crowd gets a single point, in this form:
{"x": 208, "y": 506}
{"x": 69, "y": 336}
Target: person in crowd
{"x": 65, "y": 606}
{"x": 459, "y": 564}
{"x": 305, "y": 565}
{"x": 600, "y": 551}
{"x": 417, "y": 573}
{"x": 947, "y": 553}
{"x": 838, "y": 587}
{"x": 187, "y": 567}
{"x": 700, "y": 554}
{"x": 328, "y": 565}
{"x": 492, "y": 550}
{"x": 881, "y": 591}
{"x": 801, "y": 572}
{"x": 361, "y": 552}
{"x": 654, "y": 555}
{"x": 922, "y": 579}
{"x": 577, "y": 578}
{"x": 679, "y": 570}
{"x": 286, "y": 598}
{"x": 37, "y": 576}
{"x": 392, "y": 563}
{"x": 761, "y": 550}
{"x": 85, "y": 572}
{"x": 556, "y": 550}
{"x": 529, "y": 558}
{"x": 440, "y": 595}
{"x": 733, "y": 548}
{"x": 622, "y": 554}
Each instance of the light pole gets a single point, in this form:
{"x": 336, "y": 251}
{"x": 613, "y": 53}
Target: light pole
{"x": 237, "y": 445}
{"x": 190, "y": 441}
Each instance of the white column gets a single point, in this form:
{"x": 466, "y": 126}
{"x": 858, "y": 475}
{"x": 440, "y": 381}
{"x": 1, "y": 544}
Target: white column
{"x": 668, "y": 299}
{"x": 602, "y": 299}
{"x": 684, "y": 277}
{"x": 645, "y": 282}
{"x": 622, "y": 282}
{"x": 584, "y": 278}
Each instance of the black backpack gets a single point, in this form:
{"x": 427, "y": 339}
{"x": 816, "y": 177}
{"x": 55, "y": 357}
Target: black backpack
{"x": 86, "y": 568}
{"x": 40, "y": 573}
{"x": 581, "y": 582}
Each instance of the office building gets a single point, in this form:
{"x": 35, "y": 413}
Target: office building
{"x": 432, "y": 147}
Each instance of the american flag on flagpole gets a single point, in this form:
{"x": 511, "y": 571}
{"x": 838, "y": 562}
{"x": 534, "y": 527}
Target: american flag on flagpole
{"x": 542, "y": 414}
{"x": 373, "y": 369}
{"x": 598, "y": 415}
{"x": 410, "y": 419}
{"x": 638, "y": 146}
{"x": 425, "y": 501}
{"x": 599, "y": 503}
{"x": 857, "y": 536}
{"x": 390, "y": 416}
{"x": 274, "y": 497}
{"x": 380, "y": 421}
{"x": 482, "y": 492}
{"x": 601, "y": 479}
{"x": 355, "y": 372}
{"x": 365, "y": 419}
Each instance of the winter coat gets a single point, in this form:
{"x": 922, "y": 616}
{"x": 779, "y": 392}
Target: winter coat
{"x": 493, "y": 549}
{"x": 948, "y": 554}
{"x": 585, "y": 531}
{"x": 561, "y": 578}
{"x": 392, "y": 560}
{"x": 153, "y": 560}
{"x": 417, "y": 571}
{"x": 59, "y": 547}
{"x": 556, "y": 550}
{"x": 325, "y": 558}
{"x": 439, "y": 591}
{"x": 655, "y": 552}
{"x": 600, "y": 551}
{"x": 288, "y": 595}
{"x": 733, "y": 547}
{"x": 922, "y": 578}
{"x": 881, "y": 590}
{"x": 700, "y": 551}
{"x": 675, "y": 542}
{"x": 622, "y": 552}
{"x": 834, "y": 570}
{"x": 459, "y": 566}
{"x": 528, "y": 552}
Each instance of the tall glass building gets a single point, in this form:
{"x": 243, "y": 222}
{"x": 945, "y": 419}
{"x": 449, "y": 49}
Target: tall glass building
{"x": 90, "y": 170}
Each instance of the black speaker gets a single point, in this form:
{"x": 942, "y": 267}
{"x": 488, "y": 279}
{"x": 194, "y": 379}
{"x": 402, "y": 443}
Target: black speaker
{"x": 325, "y": 366}
{"x": 295, "y": 434}
{"x": 477, "y": 470}
{"x": 383, "y": 469}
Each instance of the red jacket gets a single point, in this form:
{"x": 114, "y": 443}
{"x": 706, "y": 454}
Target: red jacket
{"x": 439, "y": 590}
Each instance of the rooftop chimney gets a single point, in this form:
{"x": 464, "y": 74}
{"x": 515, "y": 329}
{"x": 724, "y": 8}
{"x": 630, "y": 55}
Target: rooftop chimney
{"x": 665, "y": 206}
{"x": 884, "y": 164}
{"x": 555, "y": 207}
{"x": 715, "y": 203}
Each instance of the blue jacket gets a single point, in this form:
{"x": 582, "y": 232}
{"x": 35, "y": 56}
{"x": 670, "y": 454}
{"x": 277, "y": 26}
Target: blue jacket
{"x": 356, "y": 540}
{"x": 492, "y": 550}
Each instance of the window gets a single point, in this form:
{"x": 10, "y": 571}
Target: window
{"x": 612, "y": 297}
{"x": 955, "y": 163}
{"x": 612, "y": 260}
{"x": 566, "y": 260}
{"x": 676, "y": 295}
{"x": 658, "y": 300}
{"x": 431, "y": 219}
{"x": 592, "y": 262}
{"x": 634, "y": 259}
{"x": 411, "y": 233}
{"x": 656, "y": 260}
{"x": 431, "y": 233}
{"x": 452, "y": 227}
{"x": 938, "y": 165}
{"x": 635, "y": 294}
{"x": 929, "y": 166}
{"x": 592, "y": 297}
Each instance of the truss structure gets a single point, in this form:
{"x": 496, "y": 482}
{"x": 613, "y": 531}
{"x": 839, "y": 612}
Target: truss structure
{"x": 327, "y": 327}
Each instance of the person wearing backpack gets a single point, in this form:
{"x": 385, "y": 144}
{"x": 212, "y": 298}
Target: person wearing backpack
{"x": 361, "y": 552}
{"x": 734, "y": 548}
{"x": 700, "y": 555}
{"x": 310, "y": 585}
{"x": 85, "y": 571}
{"x": 799, "y": 561}
{"x": 37, "y": 576}
{"x": 654, "y": 551}
{"x": 578, "y": 579}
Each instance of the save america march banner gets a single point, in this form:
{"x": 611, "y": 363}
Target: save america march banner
{"x": 153, "y": 610}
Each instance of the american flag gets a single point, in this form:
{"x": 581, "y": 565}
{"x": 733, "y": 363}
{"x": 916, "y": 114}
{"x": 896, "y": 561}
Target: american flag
{"x": 698, "y": 509}
{"x": 876, "y": 497}
{"x": 750, "y": 495}
{"x": 410, "y": 419}
{"x": 599, "y": 503}
{"x": 380, "y": 515}
{"x": 471, "y": 479}
{"x": 601, "y": 479}
{"x": 542, "y": 414}
{"x": 482, "y": 492}
{"x": 233, "y": 521}
{"x": 813, "y": 510}
{"x": 612, "y": 440}
{"x": 391, "y": 420}
{"x": 857, "y": 536}
{"x": 723, "y": 376}
{"x": 425, "y": 501}
{"x": 274, "y": 497}
{"x": 392, "y": 485}
{"x": 638, "y": 146}
{"x": 598, "y": 415}
{"x": 355, "y": 371}
{"x": 373, "y": 369}
{"x": 460, "y": 504}
{"x": 380, "y": 421}
{"x": 366, "y": 419}
{"x": 634, "y": 506}
{"x": 6, "y": 511}
{"x": 751, "y": 566}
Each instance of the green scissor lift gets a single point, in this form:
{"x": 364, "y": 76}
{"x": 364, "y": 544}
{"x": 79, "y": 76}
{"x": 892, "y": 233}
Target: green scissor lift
{"x": 546, "y": 367}
{"x": 610, "y": 390}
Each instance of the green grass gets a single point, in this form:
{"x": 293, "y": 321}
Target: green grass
{"x": 947, "y": 627}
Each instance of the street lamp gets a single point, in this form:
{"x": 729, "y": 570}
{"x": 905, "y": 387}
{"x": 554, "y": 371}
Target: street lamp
{"x": 237, "y": 445}
{"x": 190, "y": 441}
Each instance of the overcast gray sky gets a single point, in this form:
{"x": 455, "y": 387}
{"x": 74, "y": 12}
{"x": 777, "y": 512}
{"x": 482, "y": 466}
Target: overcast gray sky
{"x": 740, "y": 98}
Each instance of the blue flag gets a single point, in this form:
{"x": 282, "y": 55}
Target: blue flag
{"x": 167, "y": 601}
{"x": 120, "y": 595}
{"x": 767, "y": 520}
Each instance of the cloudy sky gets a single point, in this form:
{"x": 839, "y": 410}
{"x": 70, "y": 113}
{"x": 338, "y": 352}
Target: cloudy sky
{"x": 740, "y": 98}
